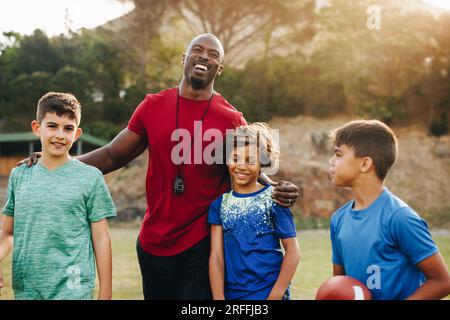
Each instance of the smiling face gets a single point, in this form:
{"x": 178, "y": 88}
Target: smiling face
{"x": 244, "y": 168}
{"x": 57, "y": 134}
{"x": 203, "y": 61}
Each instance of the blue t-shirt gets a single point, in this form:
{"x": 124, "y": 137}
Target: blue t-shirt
{"x": 252, "y": 227}
{"x": 381, "y": 245}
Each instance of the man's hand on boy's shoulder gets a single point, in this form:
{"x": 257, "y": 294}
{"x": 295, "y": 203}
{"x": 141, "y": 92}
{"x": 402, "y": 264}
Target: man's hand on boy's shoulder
{"x": 285, "y": 193}
{"x": 30, "y": 161}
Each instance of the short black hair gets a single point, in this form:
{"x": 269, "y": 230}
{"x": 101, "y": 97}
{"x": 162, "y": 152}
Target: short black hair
{"x": 369, "y": 138}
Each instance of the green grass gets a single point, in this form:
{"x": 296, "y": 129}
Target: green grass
{"x": 315, "y": 263}
{"x": 126, "y": 273}
{"x": 314, "y": 268}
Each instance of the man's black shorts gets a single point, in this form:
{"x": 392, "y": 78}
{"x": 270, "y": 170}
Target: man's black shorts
{"x": 180, "y": 277}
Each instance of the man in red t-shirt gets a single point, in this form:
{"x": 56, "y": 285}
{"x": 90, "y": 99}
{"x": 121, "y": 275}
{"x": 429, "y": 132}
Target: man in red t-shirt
{"x": 173, "y": 244}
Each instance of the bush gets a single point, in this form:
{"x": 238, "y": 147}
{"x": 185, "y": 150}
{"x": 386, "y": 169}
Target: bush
{"x": 102, "y": 129}
{"x": 280, "y": 86}
{"x": 386, "y": 109}
{"x": 305, "y": 223}
{"x": 439, "y": 126}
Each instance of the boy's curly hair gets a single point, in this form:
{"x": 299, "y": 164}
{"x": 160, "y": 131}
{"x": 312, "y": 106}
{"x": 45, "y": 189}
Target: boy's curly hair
{"x": 262, "y": 135}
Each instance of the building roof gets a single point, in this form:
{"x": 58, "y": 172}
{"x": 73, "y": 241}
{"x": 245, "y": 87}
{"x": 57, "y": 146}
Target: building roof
{"x": 29, "y": 136}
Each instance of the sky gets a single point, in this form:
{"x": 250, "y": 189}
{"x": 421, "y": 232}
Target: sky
{"x": 443, "y": 4}
{"x": 24, "y": 16}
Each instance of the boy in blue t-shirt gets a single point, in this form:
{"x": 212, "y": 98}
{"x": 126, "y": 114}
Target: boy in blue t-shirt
{"x": 246, "y": 261}
{"x": 377, "y": 238}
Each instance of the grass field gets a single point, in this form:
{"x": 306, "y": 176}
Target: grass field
{"x": 314, "y": 268}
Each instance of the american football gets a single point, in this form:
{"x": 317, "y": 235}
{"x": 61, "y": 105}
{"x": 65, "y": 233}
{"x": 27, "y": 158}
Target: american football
{"x": 343, "y": 288}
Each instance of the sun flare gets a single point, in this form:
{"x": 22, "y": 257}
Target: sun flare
{"x": 443, "y": 4}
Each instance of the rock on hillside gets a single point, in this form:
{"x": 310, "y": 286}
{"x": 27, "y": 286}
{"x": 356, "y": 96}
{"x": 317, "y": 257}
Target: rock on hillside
{"x": 127, "y": 187}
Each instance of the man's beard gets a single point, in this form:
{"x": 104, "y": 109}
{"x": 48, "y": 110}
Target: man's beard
{"x": 198, "y": 83}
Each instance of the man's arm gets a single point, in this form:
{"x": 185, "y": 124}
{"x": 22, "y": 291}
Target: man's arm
{"x": 288, "y": 266}
{"x": 216, "y": 263}
{"x": 437, "y": 285}
{"x": 125, "y": 147}
{"x": 103, "y": 257}
{"x": 6, "y": 241}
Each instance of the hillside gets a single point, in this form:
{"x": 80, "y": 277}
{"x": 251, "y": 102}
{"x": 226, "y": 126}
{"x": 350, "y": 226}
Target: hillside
{"x": 420, "y": 176}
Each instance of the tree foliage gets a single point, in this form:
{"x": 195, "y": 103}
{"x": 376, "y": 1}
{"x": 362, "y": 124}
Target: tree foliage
{"x": 81, "y": 64}
{"x": 246, "y": 28}
{"x": 283, "y": 58}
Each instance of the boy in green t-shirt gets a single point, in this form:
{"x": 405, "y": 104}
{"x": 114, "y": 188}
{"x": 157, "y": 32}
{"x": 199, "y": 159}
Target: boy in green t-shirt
{"x": 56, "y": 213}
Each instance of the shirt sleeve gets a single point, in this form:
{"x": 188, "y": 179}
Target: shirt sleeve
{"x": 411, "y": 234}
{"x": 241, "y": 120}
{"x": 100, "y": 204}
{"x": 336, "y": 256}
{"x": 8, "y": 209}
{"x": 214, "y": 212}
{"x": 136, "y": 123}
{"x": 283, "y": 222}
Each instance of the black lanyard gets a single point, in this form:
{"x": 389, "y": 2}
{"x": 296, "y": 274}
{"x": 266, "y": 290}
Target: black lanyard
{"x": 178, "y": 185}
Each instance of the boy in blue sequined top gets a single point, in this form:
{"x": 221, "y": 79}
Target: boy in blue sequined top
{"x": 246, "y": 261}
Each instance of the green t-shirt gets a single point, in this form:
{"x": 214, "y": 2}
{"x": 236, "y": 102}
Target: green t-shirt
{"x": 53, "y": 256}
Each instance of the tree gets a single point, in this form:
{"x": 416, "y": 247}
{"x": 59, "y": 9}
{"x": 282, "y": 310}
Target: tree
{"x": 379, "y": 68}
{"x": 245, "y": 24}
{"x": 82, "y": 63}
{"x": 23, "y": 92}
{"x": 94, "y": 65}
{"x": 280, "y": 86}
{"x": 435, "y": 84}
{"x": 247, "y": 29}
{"x": 138, "y": 36}
{"x": 37, "y": 54}
{"x": 75, "y": 81}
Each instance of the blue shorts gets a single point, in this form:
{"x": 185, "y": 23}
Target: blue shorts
{"x": 262, "y": 294}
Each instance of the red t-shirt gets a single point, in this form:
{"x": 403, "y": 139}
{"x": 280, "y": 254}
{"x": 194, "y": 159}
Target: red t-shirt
{"x": 174, "y": 223}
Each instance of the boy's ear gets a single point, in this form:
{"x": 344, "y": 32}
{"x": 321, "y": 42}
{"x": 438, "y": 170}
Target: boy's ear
{"x": 78, "y": 134}
{"x": 366, "y": 164}
{"x": 36, "y": 127}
